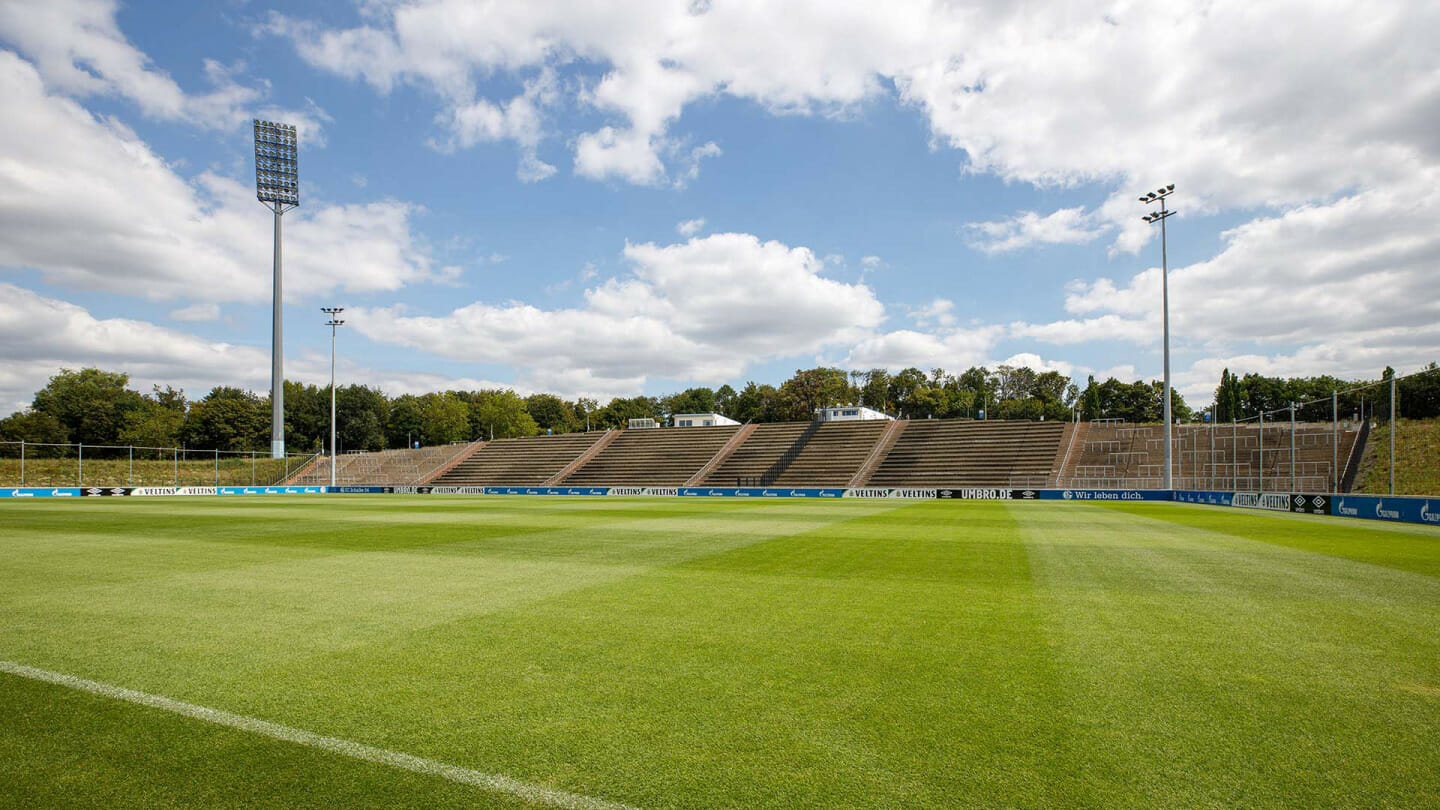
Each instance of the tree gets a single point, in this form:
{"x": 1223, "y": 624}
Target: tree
{"x": 551, "y": 413}
{"x": 809, "y": 390}
{"x": 691, "y": 400}
{"x": 755, "y": 403}
{"x": 875, "y": 390}
{"x": 153, "y": 425}
{"x": 360, "y": 416}
{"x": 32, "y": 426}
{"x": 228, "y": 419}
{"x": 724, "y": 399}
{"x": 585, "y": 409}
{"x": 407, "y": 421}
{"x": 444, "y": 418}
{"x": 619, "y": 412}
{"x": 500, "y": 415}
{"x": 307, "y": 416}
{"x": 903, "y": 386}
{"x": 90, "y": 403}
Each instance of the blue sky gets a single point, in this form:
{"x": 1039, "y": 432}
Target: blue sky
{"x": 499, "y": 194}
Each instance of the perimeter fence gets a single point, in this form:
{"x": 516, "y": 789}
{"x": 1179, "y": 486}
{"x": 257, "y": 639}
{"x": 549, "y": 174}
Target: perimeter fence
{"x": 43, "y": 464}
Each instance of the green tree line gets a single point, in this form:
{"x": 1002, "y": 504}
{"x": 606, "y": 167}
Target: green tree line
{"x": 97, "y": 407}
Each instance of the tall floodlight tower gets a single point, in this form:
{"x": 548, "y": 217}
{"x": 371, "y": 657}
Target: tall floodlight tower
{"x": 333, "y": 323}
{"x": 1160, "y": 216}
{"x": 277, "y": 184}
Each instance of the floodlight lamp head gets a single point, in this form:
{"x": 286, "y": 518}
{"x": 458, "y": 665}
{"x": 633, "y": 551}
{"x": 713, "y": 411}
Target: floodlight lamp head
{"x": 1170, "y": 187}
{"x": 277, "y": 179}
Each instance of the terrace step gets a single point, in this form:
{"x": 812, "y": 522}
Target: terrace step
{"x": 583, "y": 458}
{"x": 723, "y": 454}
{"x": 878, "y": 454}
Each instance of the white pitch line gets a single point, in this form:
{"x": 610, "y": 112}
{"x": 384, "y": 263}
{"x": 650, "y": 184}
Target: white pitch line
{"x": 334, "y": 745}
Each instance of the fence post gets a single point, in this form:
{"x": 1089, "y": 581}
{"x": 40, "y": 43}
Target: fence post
{"x": 1392, "y": 434}
{"x": 1234, "y": 454}
{"x": 22, "y": 462}
{"x": 176, "y": 480}
{"x": 1292, "y": 447}
{"x": 1261, "y": 488}
{"x": 130, "y": 476}
{"x": 1335, "y": 441}
{"x": 217, "y": 466}
{"x": 80, "y": 455}
{"x": 252, "y": 468}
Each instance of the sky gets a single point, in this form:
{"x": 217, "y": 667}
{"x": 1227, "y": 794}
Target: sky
{"x": 638, "y": 197}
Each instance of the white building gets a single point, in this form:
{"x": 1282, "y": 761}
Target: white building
{"x": 848, "y": 413}
{"x": 702, "y": 420}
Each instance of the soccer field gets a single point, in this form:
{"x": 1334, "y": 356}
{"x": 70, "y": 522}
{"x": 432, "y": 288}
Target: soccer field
{"x": 513, "y": 652}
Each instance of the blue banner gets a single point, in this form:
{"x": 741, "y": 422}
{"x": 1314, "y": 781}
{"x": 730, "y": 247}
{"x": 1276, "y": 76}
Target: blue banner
{"x": 546, "y": 490}
{"x": 1106, "y": 495}
{"x": 761, "y": 492}
{"x": 1201, "y": 496}
{"x": 270, "y": 490}
{"x": 40, "y": 492}
{"x": 360, "y": 490}
{"x": 1395, "y": 509}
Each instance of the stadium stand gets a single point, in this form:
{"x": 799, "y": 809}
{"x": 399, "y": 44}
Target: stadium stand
{"x": 879, "y": 452}
{"x": 662, "y": 457}
{"x": 401, "y": 467}
{"x": 760, "y": 452}
{"x": 530, "y": 461}
{"x": 722, "y": 455}
{"x": 964, "y": 453}
{"x": 832, "y": 455}
{"x": 1212, "y": 457}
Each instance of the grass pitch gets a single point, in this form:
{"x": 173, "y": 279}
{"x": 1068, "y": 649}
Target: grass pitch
{"x": 697, "y": 653}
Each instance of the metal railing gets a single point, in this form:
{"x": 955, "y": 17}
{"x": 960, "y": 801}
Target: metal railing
{"x": 25, "y": 463}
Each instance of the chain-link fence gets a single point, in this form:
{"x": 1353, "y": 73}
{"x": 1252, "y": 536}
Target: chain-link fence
{"x": 1355, "y": 440}
{"x": 39, "y": 464}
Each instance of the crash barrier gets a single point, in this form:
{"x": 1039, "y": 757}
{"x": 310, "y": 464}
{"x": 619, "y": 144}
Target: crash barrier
{"x": 1399, "y": 509}
{"x": 1391, "y": 508}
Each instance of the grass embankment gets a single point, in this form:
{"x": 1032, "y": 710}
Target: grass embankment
{"x": 713, "y": 653}
{"x": 1417, "y": 448}
{"x": 110, "y": 472}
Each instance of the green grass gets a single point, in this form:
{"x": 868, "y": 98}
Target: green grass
{"x": 1417, "y": 448}
{"x": 697, "y": 653}
{"x": 146, "y": 472}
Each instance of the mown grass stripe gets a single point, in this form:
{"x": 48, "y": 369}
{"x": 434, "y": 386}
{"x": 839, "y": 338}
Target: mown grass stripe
{"x": 335, "y": 745}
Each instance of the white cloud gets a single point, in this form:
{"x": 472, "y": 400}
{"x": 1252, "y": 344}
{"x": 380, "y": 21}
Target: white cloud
{"x": 939, "y": 312}
{"x": 39, "y": 335}
{"x": 87, "y": 203}
{"x": 79, "y": 50}
{"x": 1053, "y": 93}
{"x": 1068, "y": 226}
{"x": 948, "y": 349}
{"x": 690, "y": 227}
{"x": 196, "y": 312}
{"x": 1339, "y": 273}
{"x": 701, "y": 310}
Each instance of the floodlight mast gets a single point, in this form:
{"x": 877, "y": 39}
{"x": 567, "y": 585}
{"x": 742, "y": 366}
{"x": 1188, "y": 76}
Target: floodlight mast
{"x": 1160, "y": 216}
{"x": 333, "y": 323}
{"x": 277, "y": 186}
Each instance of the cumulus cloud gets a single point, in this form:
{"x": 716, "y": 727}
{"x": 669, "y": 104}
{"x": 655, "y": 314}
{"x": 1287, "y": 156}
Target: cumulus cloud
{"x": 1043, "y": 94}
{"x": 1068, "y": 226}
{"x": 79, "y": 50}
{"x": 196, "y": 312}
{"x": 39, "y": 335}
{"x": 87, "y": 203}
{"x": 690, "y": 227}
{"x": 701, "y": 310}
